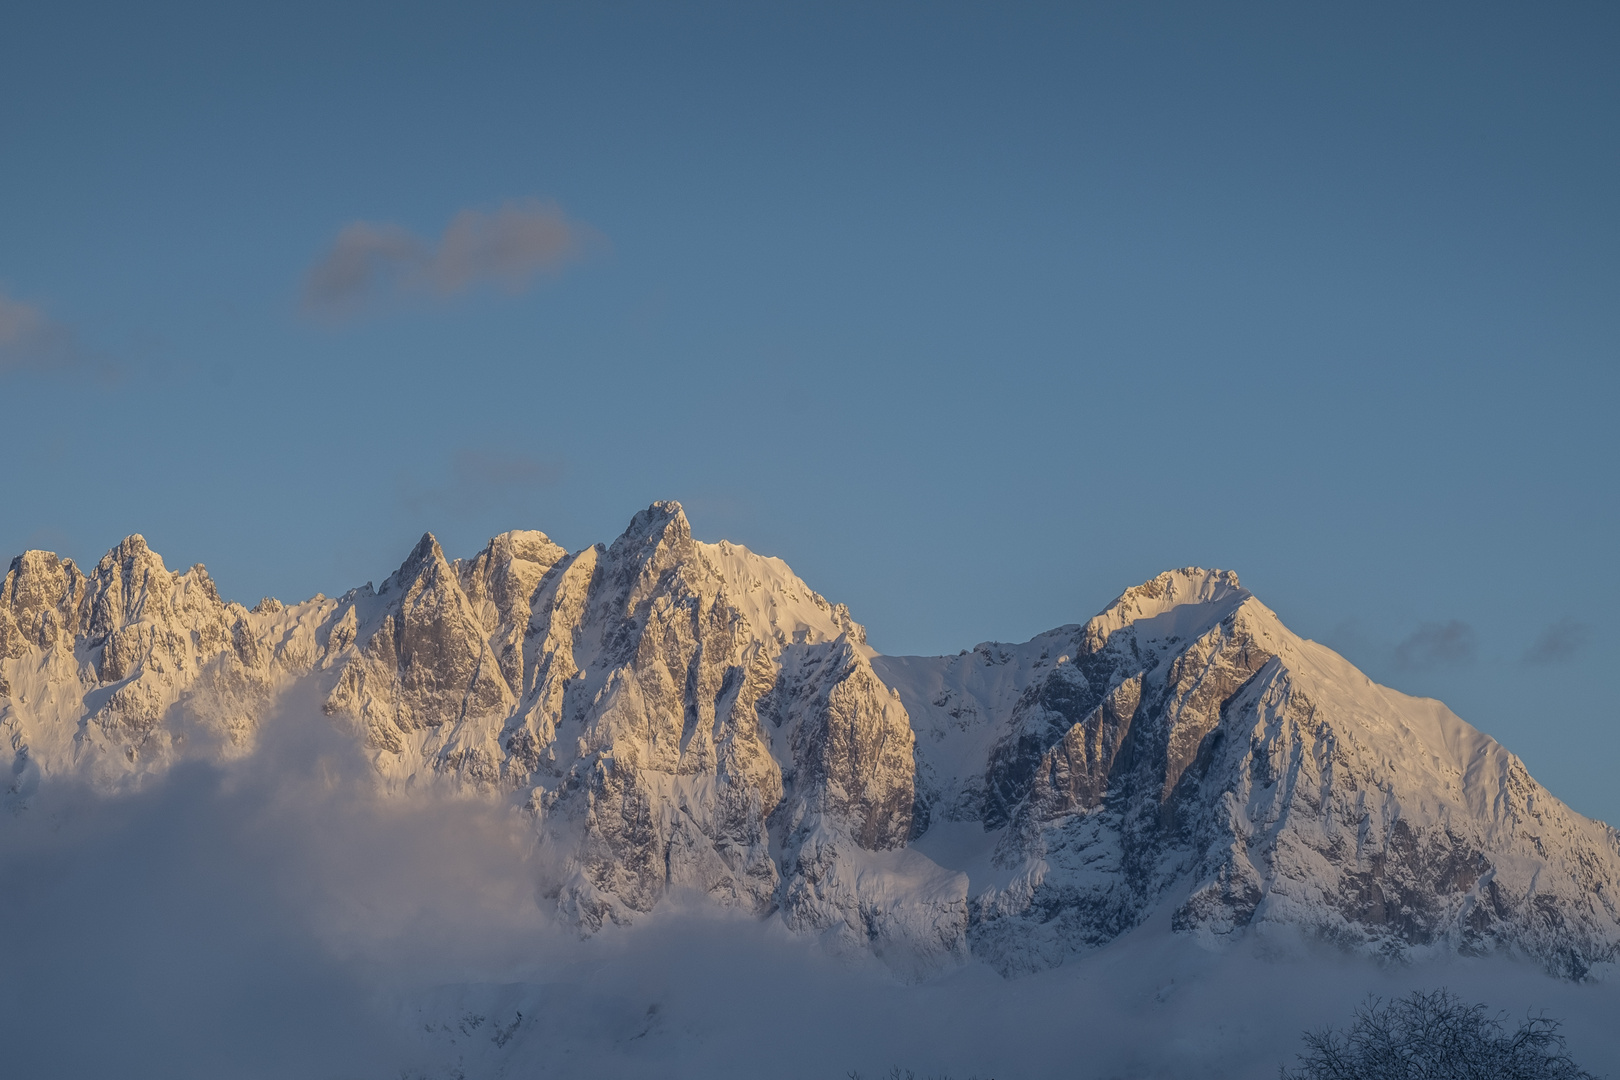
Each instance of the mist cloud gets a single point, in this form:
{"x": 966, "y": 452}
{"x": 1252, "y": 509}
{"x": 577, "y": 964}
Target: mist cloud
{"x": 248, "y": 919}
{"x": 1436, "y": 645}
{"x": 278, "y": 916}
{"x": 1559, "y": 642}
{"x": 370, "y": 263}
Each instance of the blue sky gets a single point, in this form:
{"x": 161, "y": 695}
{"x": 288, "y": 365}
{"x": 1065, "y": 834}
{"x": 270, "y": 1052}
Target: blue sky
{"x": 974, "y": 314}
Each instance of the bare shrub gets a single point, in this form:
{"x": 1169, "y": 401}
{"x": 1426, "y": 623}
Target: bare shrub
{"x": 1435, "y": 1036}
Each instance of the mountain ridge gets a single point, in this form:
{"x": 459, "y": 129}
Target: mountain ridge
{"x": 681, "y": 716}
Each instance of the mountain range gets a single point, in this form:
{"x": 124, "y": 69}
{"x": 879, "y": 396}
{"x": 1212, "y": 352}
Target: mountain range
{"x": 677, "y": 718}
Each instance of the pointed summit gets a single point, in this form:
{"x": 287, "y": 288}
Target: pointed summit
{"x": 126, "y": 579}
{"x": 653, "y": 524}
{"x": 426, "y": 548}
{"x": 530, "y": 545}
{"x": 656, "y": 540}
{"x": 1217, "y": 592}
{"x": 38, "y": 578}
{"x": 39, "y": 602}
{"x": 424, "y": 557}
{"x": 132, "y": 545}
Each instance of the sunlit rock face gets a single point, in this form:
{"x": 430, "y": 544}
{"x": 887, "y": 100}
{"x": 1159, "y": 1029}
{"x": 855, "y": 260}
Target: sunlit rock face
{"x": 686, "y": 720}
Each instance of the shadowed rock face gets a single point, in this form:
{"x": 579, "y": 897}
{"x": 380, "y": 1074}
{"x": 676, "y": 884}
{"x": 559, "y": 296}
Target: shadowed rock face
{"x": 851, "y": 743}
{"x": 685, "y": 717}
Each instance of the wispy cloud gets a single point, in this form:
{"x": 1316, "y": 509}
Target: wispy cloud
{"x": 361, "y": 261}
{"x": 1434, "y": 645}
{"x": 1561, "y": 641}
{"x": 478, "y": 468}
{"x": 480, "y": 479}
{"x": 32, "y": 341}
{"x": 371, "y": 262}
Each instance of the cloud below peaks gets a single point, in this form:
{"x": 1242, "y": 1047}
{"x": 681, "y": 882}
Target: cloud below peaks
{"x": 1436, "y": 645}
{"x": 373, "y": 262}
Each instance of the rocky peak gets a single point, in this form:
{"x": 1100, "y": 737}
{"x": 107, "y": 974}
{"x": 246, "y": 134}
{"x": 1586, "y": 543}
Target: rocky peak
{"x": 1158, "y": 601}
{"x": 38, "y": 579}
{"x": 505, "y": 575}
{"x": 155, "y": 637}
{"x": 642, "y": 563}
{"x": 778, "y": 605}
{"x": 424, "y": 660}
{"x": 501, "y": 583}
{"x": 425, "y": 559}
{"x": 129, "y": 584}
{"x": 656, "y": 538}
{"x": 194, "y": 590}
{"x": 529, "y": 545}
{"x": 39, "y": 602}
{"x": 653, "y": 521}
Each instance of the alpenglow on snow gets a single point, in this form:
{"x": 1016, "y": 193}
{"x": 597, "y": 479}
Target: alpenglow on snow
{"x": 677, "y": 715}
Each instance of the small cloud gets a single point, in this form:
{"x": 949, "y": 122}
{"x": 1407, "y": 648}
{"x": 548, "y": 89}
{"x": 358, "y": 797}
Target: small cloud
{"x": 1433, "y": 645}
{"x": 362, "y": 259}
{"x": 32, "y": 341}
{"x": 1559, "y": 642}
{"x": 477, "y": 468}
{"x": 372, "y": 261}
{"x": 483, "y": 478}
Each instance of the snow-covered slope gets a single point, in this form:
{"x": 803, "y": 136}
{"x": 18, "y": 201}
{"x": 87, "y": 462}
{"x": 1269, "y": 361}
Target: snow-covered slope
{"x": 681, "y": 717}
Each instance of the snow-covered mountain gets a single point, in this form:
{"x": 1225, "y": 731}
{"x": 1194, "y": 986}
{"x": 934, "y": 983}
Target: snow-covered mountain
{"x": 687, "y": 718}
{"x": 1183, "y": 748}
